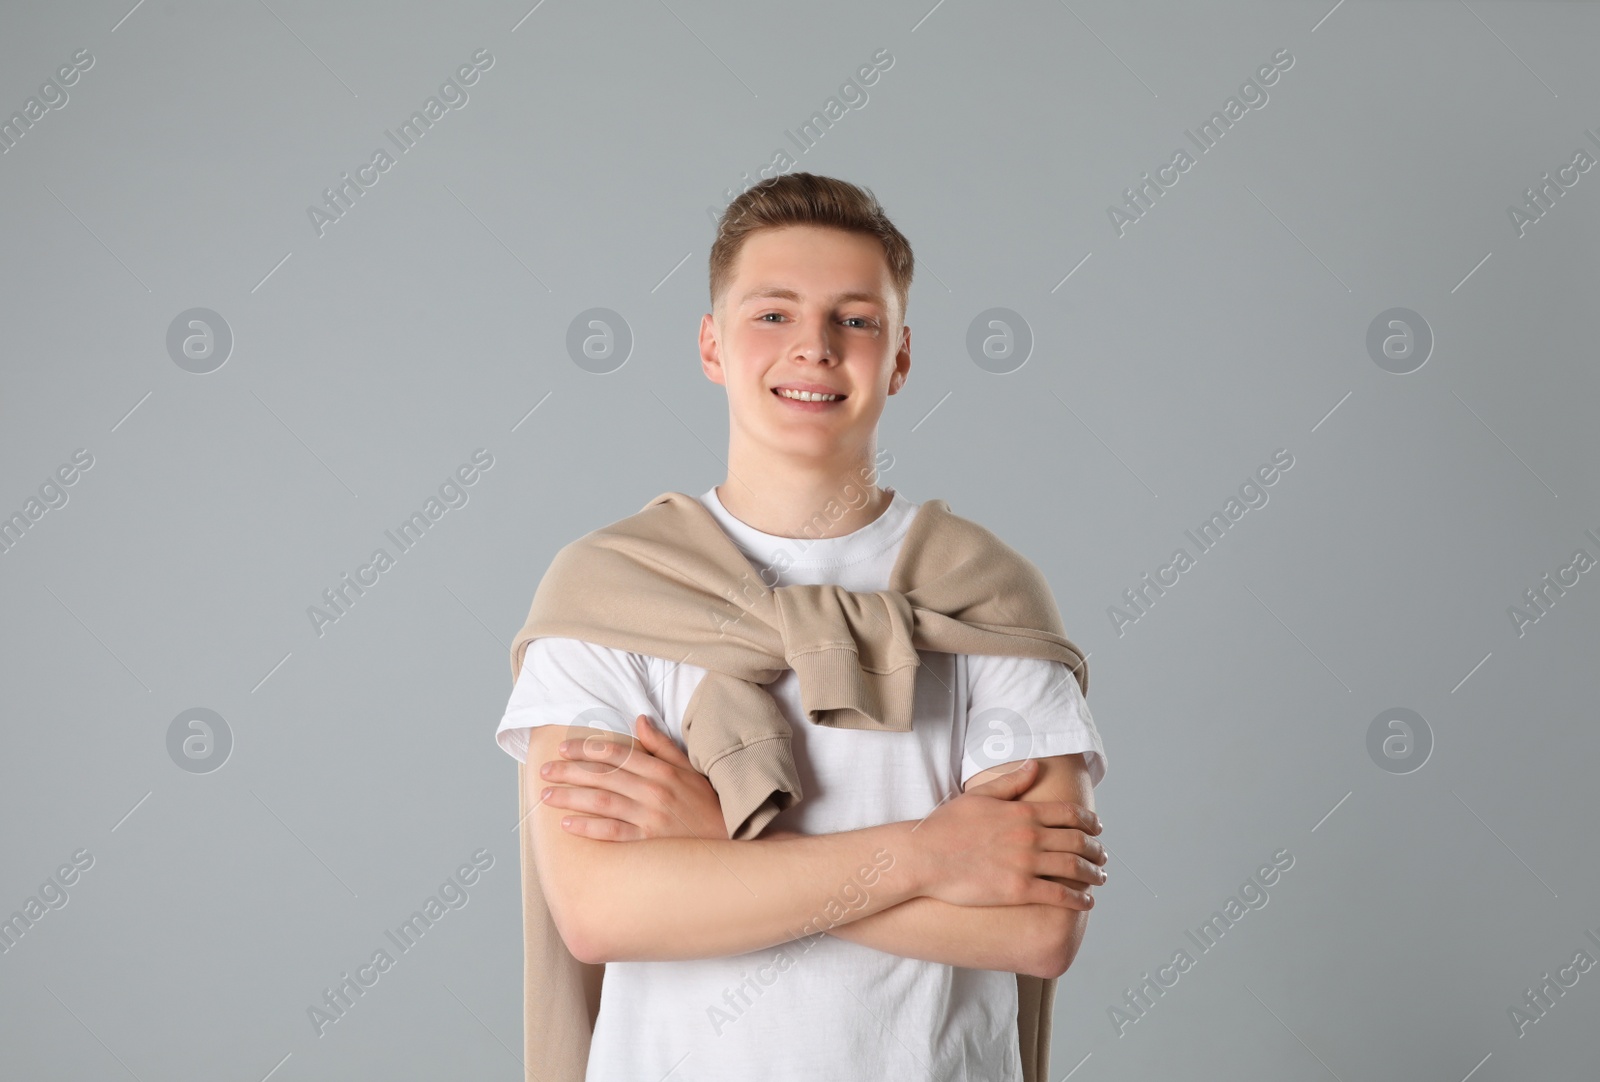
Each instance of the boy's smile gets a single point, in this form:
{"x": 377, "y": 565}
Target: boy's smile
{"x": 803, "y": 394}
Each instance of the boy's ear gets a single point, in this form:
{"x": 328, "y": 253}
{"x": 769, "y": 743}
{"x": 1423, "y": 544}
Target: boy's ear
{"x": 902, "y": 361}
{"x": 710, "y": 349}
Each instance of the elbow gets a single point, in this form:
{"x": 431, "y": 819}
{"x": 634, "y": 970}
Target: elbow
{"x": 581, "y": 941}
{"x": 584, "y": 951}
{"x": 1059, "y": 945}
{"x": 1053, "y": 961}
{"x": 1048, "y": 965}
{"x": 1060, "y": 959}
{"x": 596, "y": 933}
{"x": 581, "y": 935}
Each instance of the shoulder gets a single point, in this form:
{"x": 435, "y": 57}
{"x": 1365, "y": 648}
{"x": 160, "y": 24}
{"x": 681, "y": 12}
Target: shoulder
{"x": 616, "y": 548}
{"x": 1019, "y": 707}
{"x": 566, "y": 679}
{"x": 947, "y": 539}
{"x": 1030, "y": 679}
{"x": 660, "y": 513}
{"x": 554, "y": 659}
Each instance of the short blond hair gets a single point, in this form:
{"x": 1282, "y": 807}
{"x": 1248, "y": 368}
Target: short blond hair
{"x": 808, "y": 199}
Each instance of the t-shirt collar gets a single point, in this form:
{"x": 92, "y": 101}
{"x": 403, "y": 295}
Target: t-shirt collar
{"x": 803, "y": 551}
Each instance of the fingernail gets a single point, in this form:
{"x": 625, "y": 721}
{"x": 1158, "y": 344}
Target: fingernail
{"x": 546, "y": 794}
{"x": 544, "y": 771}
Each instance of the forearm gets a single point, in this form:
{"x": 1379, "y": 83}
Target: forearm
{"x": 1040, "y": 940}
{"x": 660, "y": 899}
{"x": 1010, "y": 938}
{"x": 1036, "y": 939}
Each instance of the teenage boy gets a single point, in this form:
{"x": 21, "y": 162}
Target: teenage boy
{"x": 937, "y": 863}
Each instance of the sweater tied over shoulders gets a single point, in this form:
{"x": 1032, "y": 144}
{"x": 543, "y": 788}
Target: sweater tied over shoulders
{"x": 668, "y": 582}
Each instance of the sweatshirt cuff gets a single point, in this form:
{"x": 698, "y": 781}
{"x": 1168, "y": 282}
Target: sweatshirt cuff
{"x": 755, "y": 782}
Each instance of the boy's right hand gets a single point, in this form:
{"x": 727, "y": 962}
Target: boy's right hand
{"x": 985, "y": 847}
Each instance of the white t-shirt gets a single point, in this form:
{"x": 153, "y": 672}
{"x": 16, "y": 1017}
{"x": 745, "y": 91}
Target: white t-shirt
{"x": 819, "y": 1007}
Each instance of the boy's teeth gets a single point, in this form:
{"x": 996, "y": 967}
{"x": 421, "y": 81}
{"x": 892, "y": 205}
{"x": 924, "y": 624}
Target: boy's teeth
{"x": 808, "y": 396}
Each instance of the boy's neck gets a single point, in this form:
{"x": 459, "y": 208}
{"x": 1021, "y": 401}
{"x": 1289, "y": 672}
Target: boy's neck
{"x": 805, "y": 507}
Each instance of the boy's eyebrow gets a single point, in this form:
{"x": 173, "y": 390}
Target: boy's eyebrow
{"x": 784, "y": 293}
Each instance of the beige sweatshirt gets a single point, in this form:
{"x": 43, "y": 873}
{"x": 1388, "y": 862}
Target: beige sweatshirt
{"x": 668, "y": 582}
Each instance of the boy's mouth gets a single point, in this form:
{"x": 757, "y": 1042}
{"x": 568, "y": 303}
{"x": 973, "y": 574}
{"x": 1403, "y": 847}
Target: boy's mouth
{"x": 808, "y": 398}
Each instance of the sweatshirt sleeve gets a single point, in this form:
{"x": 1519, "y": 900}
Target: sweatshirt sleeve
{"x": 573, "y": 682}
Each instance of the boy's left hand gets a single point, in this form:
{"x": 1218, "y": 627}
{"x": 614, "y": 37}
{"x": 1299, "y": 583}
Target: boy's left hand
{"x": 627, "y": 792}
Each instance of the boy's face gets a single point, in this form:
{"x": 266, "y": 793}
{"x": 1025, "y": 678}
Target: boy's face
{"x": 807, "y": 306}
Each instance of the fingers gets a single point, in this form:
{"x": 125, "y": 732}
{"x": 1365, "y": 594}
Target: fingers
{"x": 1056, "y": 894}
{"x": 615, "y": 749}
{"x": 661, "y": 757}
{"x": 1070, "y": 866}
{"x": 617, "y": 754}
{"x": 607, "y": 813}
{"x": 1064, "y": 813}
{"x": 1072, "y": 840}
{"x": 601, "y": 829}
{"x": 658, "y": 743}
{"x": 1063, "y": 891}
{"x": 624, "y": 790}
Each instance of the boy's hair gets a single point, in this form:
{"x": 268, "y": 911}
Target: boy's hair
{"x": 808, "y": 199}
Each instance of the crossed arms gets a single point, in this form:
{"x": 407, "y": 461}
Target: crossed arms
{"x": 1035, "y": 938}
{"x": 996, "y": 878}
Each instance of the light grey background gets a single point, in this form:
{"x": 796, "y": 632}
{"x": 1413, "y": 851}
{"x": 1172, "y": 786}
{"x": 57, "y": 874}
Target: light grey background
{"x": 1167, "y": 364}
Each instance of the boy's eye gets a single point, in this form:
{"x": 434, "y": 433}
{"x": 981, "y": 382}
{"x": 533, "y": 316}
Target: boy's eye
{"x": 862, "y": 322}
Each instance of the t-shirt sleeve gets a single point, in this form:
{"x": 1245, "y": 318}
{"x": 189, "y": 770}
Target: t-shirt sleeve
{"x": 573, "y": 682}
{"x": 1026, "y": 708}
